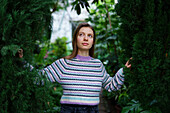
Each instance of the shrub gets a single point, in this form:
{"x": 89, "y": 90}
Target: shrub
{"x": 22, "y": 22}
{"x": 145, "y": 36}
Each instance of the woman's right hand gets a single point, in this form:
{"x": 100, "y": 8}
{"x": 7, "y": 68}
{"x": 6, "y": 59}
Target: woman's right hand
{"x": 20, "y": 53}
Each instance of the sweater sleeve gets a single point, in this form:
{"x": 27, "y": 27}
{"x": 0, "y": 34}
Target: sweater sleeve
{"x": 52, "y": 72}
{"x": 113, "y": 83}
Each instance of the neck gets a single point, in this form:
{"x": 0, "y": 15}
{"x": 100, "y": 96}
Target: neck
{"x": 83, "y": 52}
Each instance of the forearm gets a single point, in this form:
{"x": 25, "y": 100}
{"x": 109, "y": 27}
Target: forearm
{"x": 114, "y": 83}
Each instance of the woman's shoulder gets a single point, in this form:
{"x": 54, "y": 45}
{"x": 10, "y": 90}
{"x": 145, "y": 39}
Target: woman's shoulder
{"x": 59, "y": 60}
{"x": 96, "y": 59}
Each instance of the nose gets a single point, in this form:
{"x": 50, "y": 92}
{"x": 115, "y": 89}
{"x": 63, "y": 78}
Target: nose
{"x": 86, "y": 38}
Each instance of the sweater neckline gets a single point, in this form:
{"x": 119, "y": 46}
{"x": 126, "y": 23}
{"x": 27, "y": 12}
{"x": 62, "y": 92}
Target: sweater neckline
{"x": 83, "y": 58}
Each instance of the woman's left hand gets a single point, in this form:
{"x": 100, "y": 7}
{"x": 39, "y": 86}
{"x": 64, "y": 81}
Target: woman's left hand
{"x": 128, "y": 64}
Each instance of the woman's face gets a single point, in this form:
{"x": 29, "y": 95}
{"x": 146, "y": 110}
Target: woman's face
{"x": 85, "y": 38}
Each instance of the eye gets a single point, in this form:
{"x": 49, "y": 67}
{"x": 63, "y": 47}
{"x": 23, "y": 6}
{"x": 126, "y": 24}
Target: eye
{"x": 90, "y": 36}
{"x": 81, "y": 34}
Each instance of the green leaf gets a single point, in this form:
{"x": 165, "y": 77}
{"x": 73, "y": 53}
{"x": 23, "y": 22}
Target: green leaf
{"x": 78, "y": 9}
{"x": 82, "y": 4}
{"x": 11, "y": 48}
{"x": 126, "y": 109}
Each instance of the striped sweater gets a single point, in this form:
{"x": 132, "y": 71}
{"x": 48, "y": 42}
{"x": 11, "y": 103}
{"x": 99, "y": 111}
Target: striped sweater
{"x": 82, "y": 79}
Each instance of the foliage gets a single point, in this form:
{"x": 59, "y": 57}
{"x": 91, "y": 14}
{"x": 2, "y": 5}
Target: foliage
{"x": 22, "y": 22}
{"x": 133, "y": 107}
{"x": 77, "y": 4}
{"x": 50, "y": 52}
{"x": 145, "y": 27}
{"x": 59, "y": 5}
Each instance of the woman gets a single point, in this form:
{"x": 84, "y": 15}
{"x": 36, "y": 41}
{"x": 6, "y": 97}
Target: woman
{"x": 81, "y": 75}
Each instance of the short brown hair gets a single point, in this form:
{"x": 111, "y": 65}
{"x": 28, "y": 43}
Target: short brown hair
{"x": 74, "y": 41}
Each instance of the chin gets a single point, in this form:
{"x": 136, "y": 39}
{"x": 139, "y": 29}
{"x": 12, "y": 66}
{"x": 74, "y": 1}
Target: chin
{"x": 84, "y": 48}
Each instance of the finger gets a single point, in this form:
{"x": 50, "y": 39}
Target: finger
{"x": 127, "y": 62}
{"x": 128, "y": 66}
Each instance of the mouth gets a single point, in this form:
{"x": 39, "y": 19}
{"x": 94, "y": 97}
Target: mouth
{"x": 85, "y": 44}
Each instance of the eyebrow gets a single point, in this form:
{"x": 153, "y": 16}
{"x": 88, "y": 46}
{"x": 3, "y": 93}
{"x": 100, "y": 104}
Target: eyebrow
{"x": 88, "y": 33}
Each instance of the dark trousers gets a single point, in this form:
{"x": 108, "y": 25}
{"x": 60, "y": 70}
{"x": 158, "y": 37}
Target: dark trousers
{"x": 69, "y": 108}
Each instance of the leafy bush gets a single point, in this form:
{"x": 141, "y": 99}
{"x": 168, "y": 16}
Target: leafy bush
{"x": 22, "y": 22}
{"x": 144, "y": 35}
{"x": 49, "y": 52}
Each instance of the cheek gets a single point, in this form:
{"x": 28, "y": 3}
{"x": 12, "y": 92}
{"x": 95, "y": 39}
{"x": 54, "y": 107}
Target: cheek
{"x": 78, "y": 40}
{"x": 91, "y": 41}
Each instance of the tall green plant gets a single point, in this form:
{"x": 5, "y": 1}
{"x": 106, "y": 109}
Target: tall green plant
{"x": 145, "y": 36}
{"x": 22, "y": 22}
